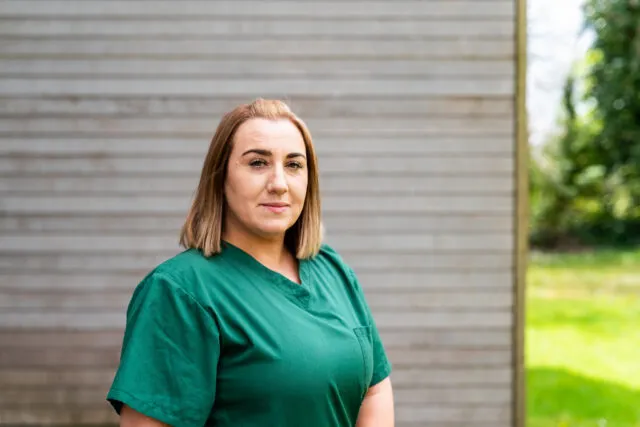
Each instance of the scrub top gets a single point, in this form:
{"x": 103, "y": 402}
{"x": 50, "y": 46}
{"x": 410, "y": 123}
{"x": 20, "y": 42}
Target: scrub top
{"x": 225, "y": 341}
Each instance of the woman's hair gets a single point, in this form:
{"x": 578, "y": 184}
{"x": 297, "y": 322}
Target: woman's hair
{"x": 202, "y": 228}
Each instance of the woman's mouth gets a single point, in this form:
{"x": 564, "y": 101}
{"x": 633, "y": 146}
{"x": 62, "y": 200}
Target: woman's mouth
{"x": 275, "y": 207}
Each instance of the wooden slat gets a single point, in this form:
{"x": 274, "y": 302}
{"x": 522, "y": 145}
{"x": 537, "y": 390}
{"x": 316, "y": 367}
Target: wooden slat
{"x": 442, "y": 319}
{"x": 270, "y": 68}
{"x": 74, "y": 321}
{"x": 331, "y": 184}
{"x": 193, "y": 127}
{"x": 434, "y": 300}
{"x": 418, "y": 242}
{"x": 190, "y": 166}
{"x": 19, "y": 358}
{"x": 39, "y": 340}
{"x": 410, "y": 358}
{"x": 58, "y": 378}
{"x": 371, "y": 281}
{"x": 500, "y": 415}
{"x": 75, "y": 415}
{"x": 253, "y": 86}
{"x": 67, "y": 397}
{"x": 400, "y": 222}
{"x": 207, "y": 108}
{"x": 453, "y": 395}
{"x": 59, "y": 262}
{"x": 179, "y": 205}
{"x": 447, "y": 338}
{"x": 462, "y": 48}
{"x": 459, "y": 378}
{"x": 280, "y": 9}
{"x": 435, "y": 281}
{"x": 324, "y": 145}
{"x": 162, "y": 28}
{"x": 56, "y": 300}
{"x": 459, "y": 261}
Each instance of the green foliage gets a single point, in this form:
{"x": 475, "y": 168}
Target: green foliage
{"x": 585, "y": 184}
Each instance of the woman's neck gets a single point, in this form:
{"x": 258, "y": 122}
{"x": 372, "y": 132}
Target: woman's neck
{"x": 271, "y": 252}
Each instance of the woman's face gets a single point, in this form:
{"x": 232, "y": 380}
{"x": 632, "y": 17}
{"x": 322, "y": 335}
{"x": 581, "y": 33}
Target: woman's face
{"x": 266, "y": 180}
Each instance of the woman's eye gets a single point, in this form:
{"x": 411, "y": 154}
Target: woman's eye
{"x": 257, "y": 163}
{"x": 295, "y": 165}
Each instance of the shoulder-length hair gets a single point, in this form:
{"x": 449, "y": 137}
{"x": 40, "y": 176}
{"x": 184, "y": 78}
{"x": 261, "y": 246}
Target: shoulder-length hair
{"x": 203, "y": 226}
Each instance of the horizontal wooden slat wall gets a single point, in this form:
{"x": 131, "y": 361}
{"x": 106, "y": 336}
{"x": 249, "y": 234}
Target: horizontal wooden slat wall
{"x": 106, "y": 111}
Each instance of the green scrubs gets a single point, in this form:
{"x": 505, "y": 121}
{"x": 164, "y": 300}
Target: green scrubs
{"x": 225, "y": 341}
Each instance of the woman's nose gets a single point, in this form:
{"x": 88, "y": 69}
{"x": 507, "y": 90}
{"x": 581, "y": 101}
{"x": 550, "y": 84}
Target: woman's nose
{"x": 277, "y": 181}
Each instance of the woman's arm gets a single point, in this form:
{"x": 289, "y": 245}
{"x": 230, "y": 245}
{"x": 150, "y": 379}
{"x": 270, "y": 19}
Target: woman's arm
{"x": 377, "y": 407}
{"x": 131, "y": 418}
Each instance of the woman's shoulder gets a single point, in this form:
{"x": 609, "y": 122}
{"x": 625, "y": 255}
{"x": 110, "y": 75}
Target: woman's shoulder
{"x": 329, "y": 257}
{"x": 187, "y": 272}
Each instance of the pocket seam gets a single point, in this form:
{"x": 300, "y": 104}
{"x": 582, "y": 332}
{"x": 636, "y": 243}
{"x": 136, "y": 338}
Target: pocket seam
{"x": 364, "y": 333}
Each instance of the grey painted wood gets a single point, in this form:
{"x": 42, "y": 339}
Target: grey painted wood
{"x": 472, "y": 48}
{"x": 266, "y": 88}
{"x": 309, "y": 27}
{"x": 339, "y": 68}
{"x": 106, "y": 109}
{"x": 274, "y": 9}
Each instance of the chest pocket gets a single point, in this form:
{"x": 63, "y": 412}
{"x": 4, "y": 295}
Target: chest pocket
{"x": 363, "y": 334}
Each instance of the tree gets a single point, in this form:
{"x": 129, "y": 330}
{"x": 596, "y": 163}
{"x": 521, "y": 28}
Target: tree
{"x": 613, "y": 83}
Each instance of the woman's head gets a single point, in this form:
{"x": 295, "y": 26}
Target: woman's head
{"x": 259, "y": 178}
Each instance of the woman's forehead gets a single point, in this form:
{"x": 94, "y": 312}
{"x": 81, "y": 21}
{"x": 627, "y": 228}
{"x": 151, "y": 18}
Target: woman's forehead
{"x": 280, "y": 135}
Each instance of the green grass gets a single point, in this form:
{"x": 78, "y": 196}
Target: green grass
{"x": 583, "y": 340}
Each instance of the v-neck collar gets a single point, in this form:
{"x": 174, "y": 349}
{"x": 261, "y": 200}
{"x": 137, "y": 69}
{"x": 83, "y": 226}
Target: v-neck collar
{"x": 298, "y": 292}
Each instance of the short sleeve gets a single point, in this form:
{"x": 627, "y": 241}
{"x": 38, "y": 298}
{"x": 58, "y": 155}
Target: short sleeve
{"x": 381, "y": 364}
{"x": 169, "y": 356}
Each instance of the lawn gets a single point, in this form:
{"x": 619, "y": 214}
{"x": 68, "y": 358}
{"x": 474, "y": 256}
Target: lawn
{"x": 583, "y": 340}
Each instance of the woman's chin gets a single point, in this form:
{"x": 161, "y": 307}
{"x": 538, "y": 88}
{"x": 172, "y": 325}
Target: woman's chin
{"x": 274, "y": 228}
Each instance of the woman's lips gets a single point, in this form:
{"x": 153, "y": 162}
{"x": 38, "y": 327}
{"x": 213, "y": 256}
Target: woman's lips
{"x": 275, "y": 207}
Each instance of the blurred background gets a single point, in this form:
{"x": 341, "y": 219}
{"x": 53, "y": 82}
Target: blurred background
{"x": 582, "y": 337}
{"x": 460, "y": 142}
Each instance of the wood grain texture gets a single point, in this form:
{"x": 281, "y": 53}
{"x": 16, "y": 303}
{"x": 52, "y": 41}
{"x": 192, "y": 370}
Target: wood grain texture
{"x": 275, "y": 9}
{"x": 491, "y": 27}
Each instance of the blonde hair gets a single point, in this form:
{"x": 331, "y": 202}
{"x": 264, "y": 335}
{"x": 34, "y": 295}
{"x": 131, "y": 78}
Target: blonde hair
{"x": 202, "y": 228}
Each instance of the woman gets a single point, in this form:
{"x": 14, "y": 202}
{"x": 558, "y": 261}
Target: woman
{"x": 256, "y": 323}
